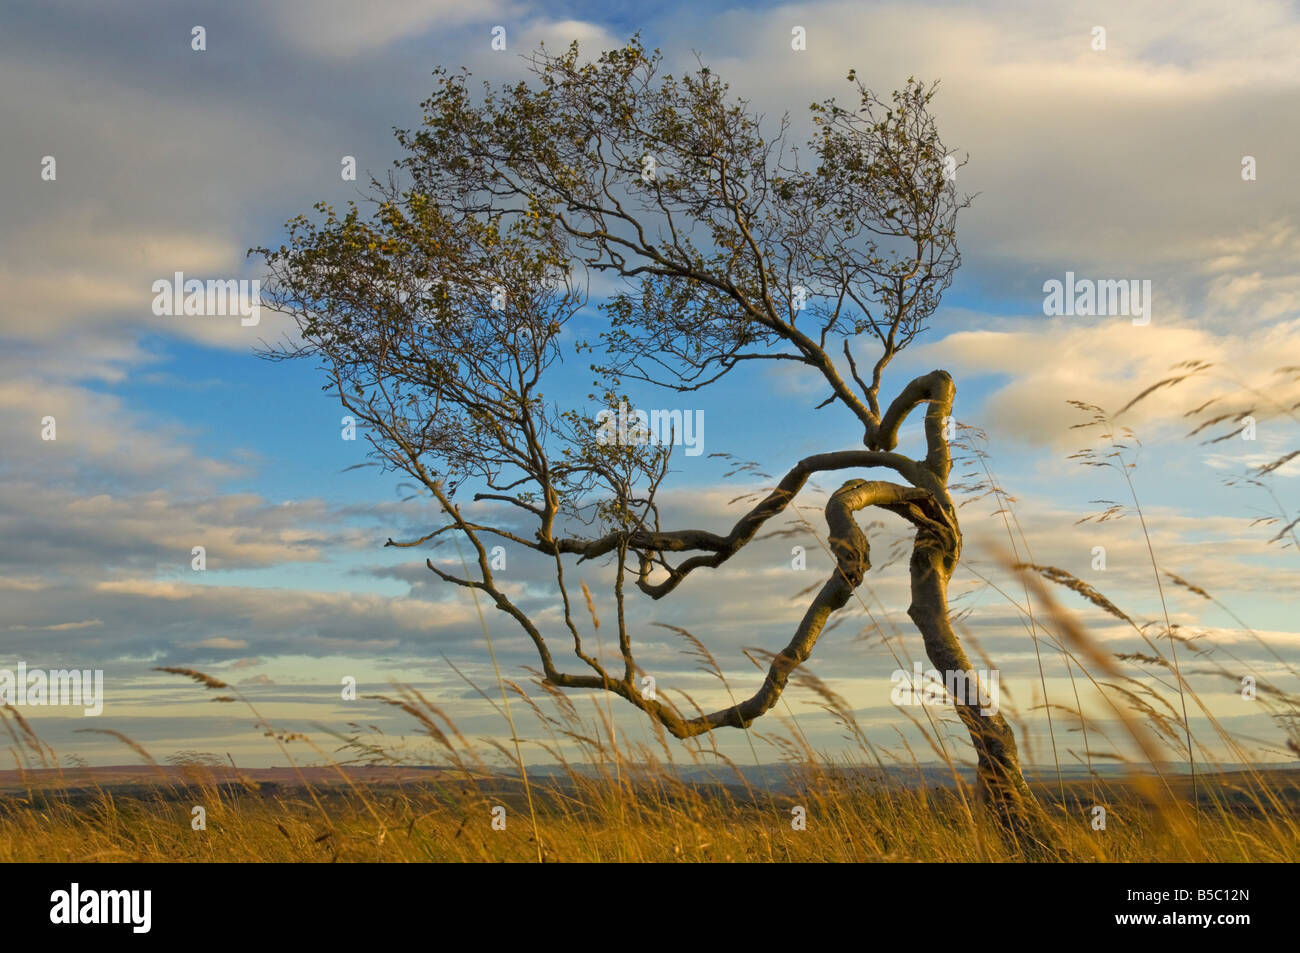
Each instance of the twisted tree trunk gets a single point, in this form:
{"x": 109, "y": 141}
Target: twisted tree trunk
{"x": 1000, "y": 781}
{"x": 935, "y": 551}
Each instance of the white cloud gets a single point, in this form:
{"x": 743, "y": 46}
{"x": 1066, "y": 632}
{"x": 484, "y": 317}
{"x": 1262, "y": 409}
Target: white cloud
{"x": 345, "y": 29}
{"x": 1108, "y": 362}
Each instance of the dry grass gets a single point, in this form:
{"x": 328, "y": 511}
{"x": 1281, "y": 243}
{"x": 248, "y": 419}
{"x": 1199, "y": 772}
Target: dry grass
{"x": 615, "y": 804}
{"x": 611, "y": 799}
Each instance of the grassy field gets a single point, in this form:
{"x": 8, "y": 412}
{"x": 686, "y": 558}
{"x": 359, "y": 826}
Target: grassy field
{"x": 603, "y": 819}
{"x": 614, "y": 805}
{"x": 375, "y": 798}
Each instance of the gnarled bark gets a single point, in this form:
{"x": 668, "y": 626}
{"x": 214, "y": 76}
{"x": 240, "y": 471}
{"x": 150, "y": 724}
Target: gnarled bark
{"x": 1000, "y": 782}
{"x": 935, "y": 552}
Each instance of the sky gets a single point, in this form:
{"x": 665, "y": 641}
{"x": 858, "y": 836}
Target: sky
{"x": 1117, "y": 160}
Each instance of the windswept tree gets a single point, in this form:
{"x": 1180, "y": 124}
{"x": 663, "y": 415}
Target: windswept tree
{"x": 439, "y": 312}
